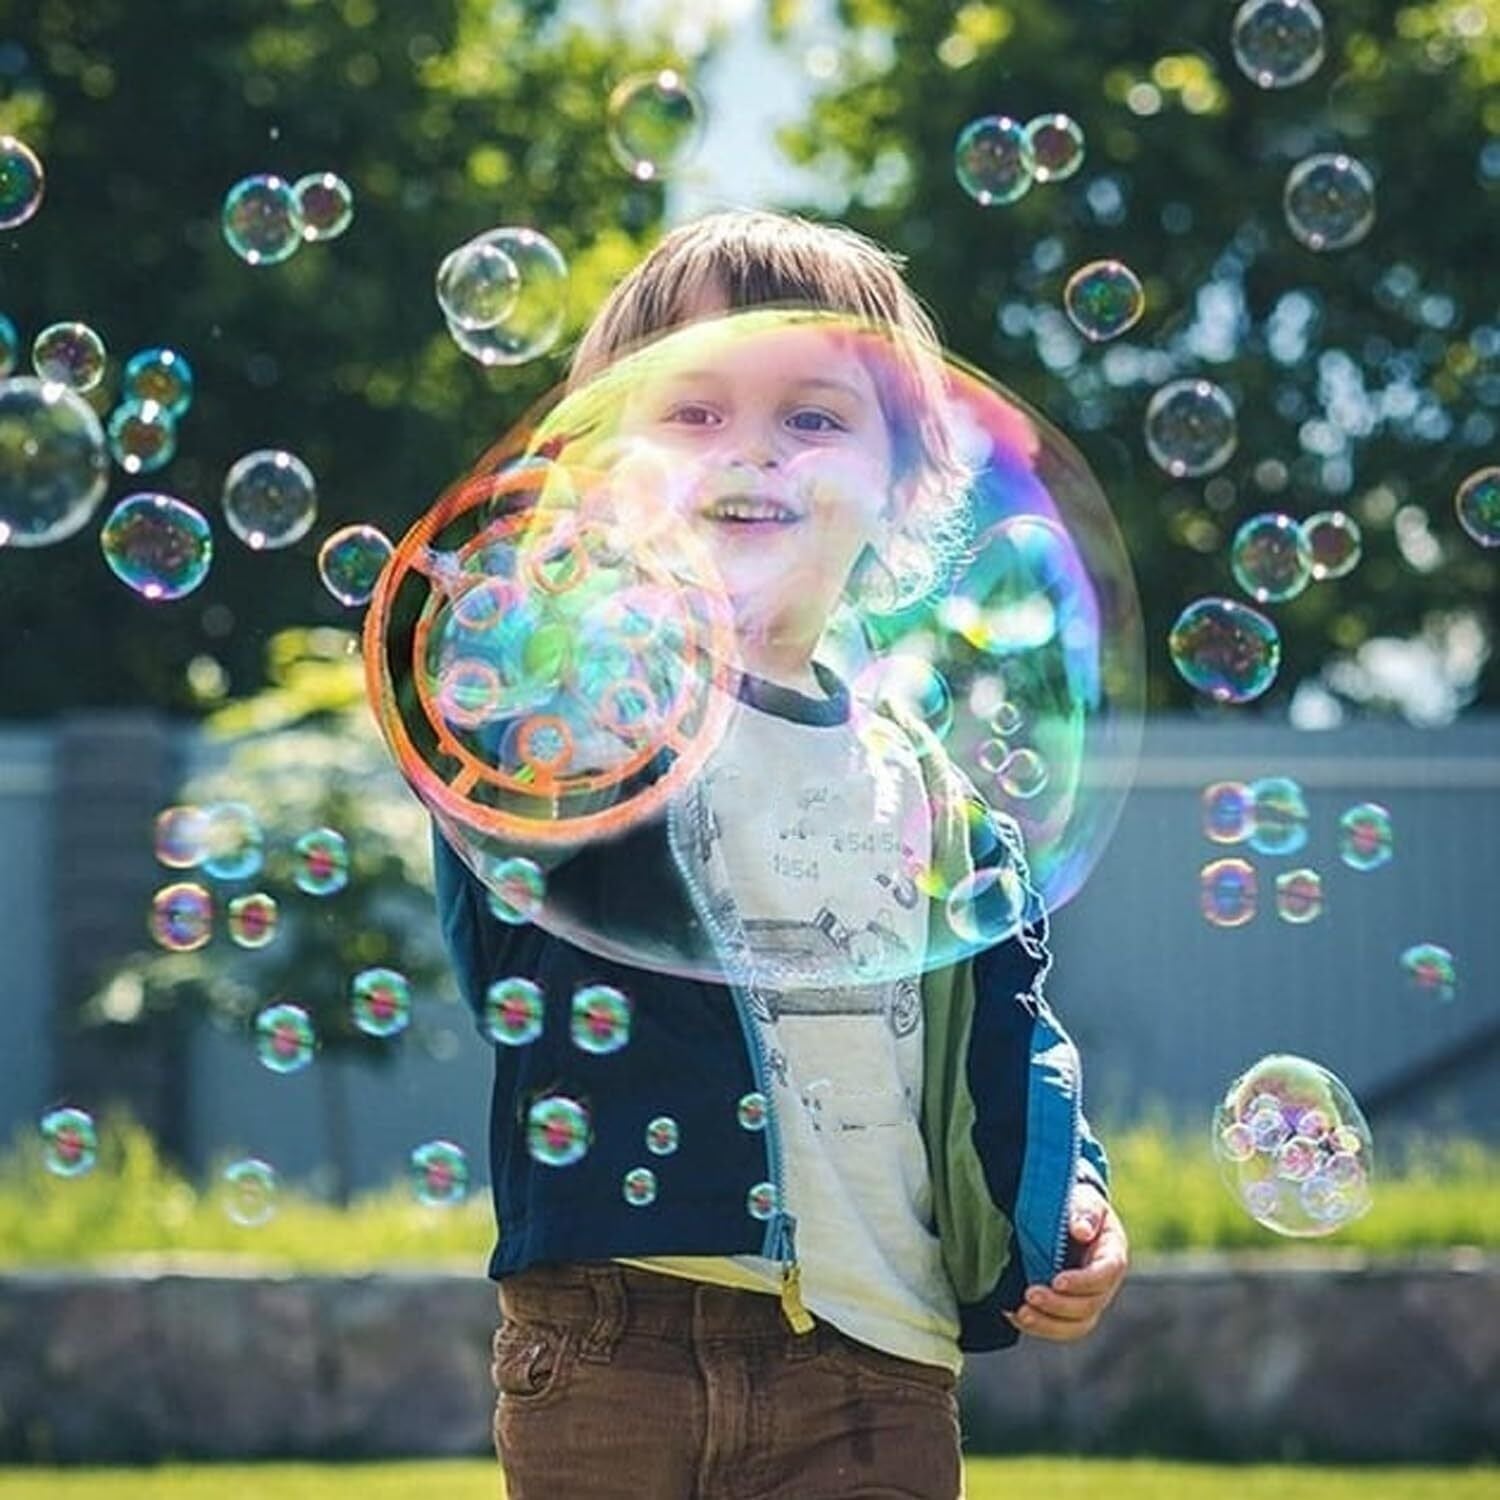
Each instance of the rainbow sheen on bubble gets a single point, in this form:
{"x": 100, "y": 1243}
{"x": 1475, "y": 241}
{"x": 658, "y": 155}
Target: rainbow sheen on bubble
{"x": 157, "y": 545}
{"x": 270, "y": 499}
{"x": 1104, "y": 299}
{"x": 1279, "y": 816}
{"x": 1057, "y": 146}
{"x": 1334, "y": 542}
{"x": 53, "y": 462}
{"x": 655, "y": 123}
{"x": 161, "y": 375}
{"x": 380, "y": 1001}
{"x": 23, "y": 182}
{"x": 236, "y": 842}
{"x": 513, "y": 1011}
{"x": 1190, "y": 428}
{"x": 262, "y": 219}
{"x": 600, "y": 1019}
{"x": 325, "y": 203}
{"x": 70, "y": 1142}
{"x": 1270, "y": 558}
{"x": 1329, "y": 201}
{"x": 534, "y": 319}
{"x": 249, "y": 1189}
{"x": 1228, "y": 812}
{"x": 142, "y": 436}
{"x": 558, "y": 1131}
{"x": 69, "y": 354}
{"x": 182, "y": 916}
{"x": 663, "y": 1136}
{"x": 1227, "y": 892}
{"x": 477, "y": 285}
{"x": 1366, "y": 839}
{"x": 284, "y": 1037}
{"x": 1476, "y": 502}
{"x": 350, "y": 560}
{"x": 321, "y": 862}
{"x": 1299, "y": 896}
{"x": 180, "y": 836}
{"x": 439, "y": 1173}
{"x": 993, "y": 160}
{"x": 1430, "y": 970}
{"x": 252, "y": 919}
{"x": 1278, "y": 43}
{"x": 1227, "y": 651}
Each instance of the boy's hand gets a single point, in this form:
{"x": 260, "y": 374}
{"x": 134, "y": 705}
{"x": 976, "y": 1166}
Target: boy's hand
{"x": 1096, "y": 1263}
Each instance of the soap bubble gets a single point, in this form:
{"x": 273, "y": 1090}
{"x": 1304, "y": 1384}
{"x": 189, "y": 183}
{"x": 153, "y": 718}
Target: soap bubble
{"x": 69, "y": 354}
{"x": 1431, "y": 970}
{"x": 262, "y": 220}
{"x": 236, "y": 845}
{"x": 22, "y": 182}
{"x": 350, "y": 560}
{"x": 1228, "y": 812}
{"x": 1104, "y": 299}
{"x": 1329, "y": 201}
{"x": 156, "y": 545}
{"x": 1477, "y": 503}
{"x": 1190, "y": 428}
{"x": 70, "y": 1143}
{"x": 142, "y": 437}
{"x": 160, "y": 375}
{"x": 270, "y": 499}
{"x": 993, "y": 159}
{"x": 1299, "y": 896}
{"x": 1270, "y": 558}
{"x": 1056, "y": 143}
{"x": 655, "y": 123}
{"x": 53, "y": 464}
{"x": 1023, "y": 775}
{"x": 1226, "y": 650}
{"x": 1226, "y": 889}
{"x": 10, "y": 346}
{"x": 284, "y": 1037}
{"x": 1279, "y": 816}
{"x": 326, "y": 204}
{"x": 250, "y": 1190}
{"x": 180, "y": 836}
{"x": 182, "y": 916}
{"x": 534, "y": 320}
{"x": 1365, "y": 838}
{"x": 1278, "y": 43}
{"x": 558, "y": 1131}
{"x": 439, "y": 1174}
{"x": 1310, "y": 1166}
{"x": 321, "y": 865}
{"x": 663, "y": 1136}
{"x": 381, "y": 1001}
{"x": 252, "y": 919}
{"x": 513, "y": 1011}
{"x": 601, "y": 1019}
{"x": 639, "y": 1187}
{"x": 477, "y": 285}
{"x": 1335, "y": 543}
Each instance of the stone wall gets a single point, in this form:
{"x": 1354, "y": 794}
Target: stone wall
{"x": 1205, "y": 1357}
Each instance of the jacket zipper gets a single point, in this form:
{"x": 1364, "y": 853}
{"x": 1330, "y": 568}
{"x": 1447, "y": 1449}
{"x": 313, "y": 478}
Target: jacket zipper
{"x": 1060, "y": 1249}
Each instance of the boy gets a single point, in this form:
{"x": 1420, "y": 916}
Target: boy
{"x": 808, "y": 1189}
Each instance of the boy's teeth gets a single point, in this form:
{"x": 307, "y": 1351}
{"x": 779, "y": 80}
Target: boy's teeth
{"x": 746, "y": 510}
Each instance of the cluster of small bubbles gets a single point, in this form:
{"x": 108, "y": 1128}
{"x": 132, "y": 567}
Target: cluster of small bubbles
{"x": 751, "y": 1111}
{"x": 1104, "y": 299}
{"x": 557, "y": 1130}
{"x": 326, "y": 204}
{"x": 381, "y": 1001}
{"x": 284, "y": 1037}
{"x": 69, "y": 354}
{"x": 270, "y": 499}
{"x": 516, "y": 888}
{"x": 639, "y": 1187}
{"x": 1024, "y": 774}
{"x": 1226, "y": 890}
{"x": 991, "y": 755}
{"x": 986, "y": 905}
{"x": 236, "y": 844}
{"x": 1007, "y": 718}
{"x": 1228, "y": 812}
{"x": 1477, "y": 504}
{"x": 655, "y": 123}
{"x": 180, "y": 836}
{"x": 993, "y": 160}
{"x": 1056, "y": 143}
{"x": 1299, "y": 896}
{"x": 1334, "y": 542}
{"x": 762, "y": 1200}
{"x": 70, "y": 1143}
{"x": 182, "y": 916}
{"x": 1329, "y": 201}
{"x": 1293, "y": 1147}
{"x": 262, "y": 220}
{"x": 53, "y": 463}
{"x": 249, "y": 1187}
{"x": 160, "y": 375}
{"x": 350, "y": 560}
{"x": 662, "y": 1136}
{"x": 1430, "y": 969}
{"x": 601, "y": 1019}
{"x": 10, "y": 346}
{"x": 513, "y": 1011}
{"x": 142, "y": 436}
{"x": 534, "y": 319}
{"x": 1278, "y": 43}
{"x": 477, "y": 285}
{"x": 1270, "y": 558}
{"x": 439, "y": 1174}
{"x": 22, "y": 182}
{"x": 1278, "y": 816}
{"x": 251, "y": 919}
{"x": 1225, "y": 650}
{"x": 321, "y": 862}
{"x": 157, "y": 545}
{"x": 1190, "y": 428}
{"x": 1365, "y": 838}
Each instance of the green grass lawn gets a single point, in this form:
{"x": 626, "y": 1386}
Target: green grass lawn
{"x": 988, "y": 1479}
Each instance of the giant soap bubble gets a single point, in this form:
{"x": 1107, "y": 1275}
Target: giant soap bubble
{"x": 760, "y": 648}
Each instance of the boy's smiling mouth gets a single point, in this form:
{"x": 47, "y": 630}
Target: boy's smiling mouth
{"x": 750, "y": 510}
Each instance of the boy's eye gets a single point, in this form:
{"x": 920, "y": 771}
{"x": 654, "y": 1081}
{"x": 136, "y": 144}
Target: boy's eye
{"x": 810, "y": 419}
{"x": 691, "y": 414}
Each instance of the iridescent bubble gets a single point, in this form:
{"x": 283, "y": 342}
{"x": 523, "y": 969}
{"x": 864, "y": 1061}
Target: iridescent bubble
{"x": 912, "y": 687}
{"x": 1278, "y": 43}
{"x": 321, "y": 862}
{"x": 655, "y": 123}
{"x": 1477, "y": 503}
{"x": 1270, "y": 558}
{"x": 1007, "y": 719}
{"x": 350, "y": 560}
{"x": 1227, "y": 892}
{"x": 1299, "y": 896}
{"x": 326, "y": 204}
{"x": 1329, "y": 201}
{"x": 513, "y": 1011}
{"x": 1023, "y": 775}
{"x": 252, "y": 919}
{"x": 1103, "y": 299}
{"x": 477, "y": 285}
{"x": 22, "y": 182}
{"x": 1226, "y": 650}
{"x": 601, "y": 1019}
{"x": 10, "y": 346}
{"x": 157, "y": 545}
{"x": 1365, "y": 838}
{"x": 1190, "y": 428}
{"x": 180, "y": 836}
{"x": 535, "y": 318}
{"x": 182, "y": 916}
{"x": 1056, "y": 143}
{"x": 270, "y": 499}
{"x": 250, "y": 1190}
{"x": 380, "y": 1000}
{"x": 517, "y": 888}
{"x": 1288, "y": 1181}
{"x": 262, "y": 220}
{"x": 993, "y": 160}
{"x": 236, "y": 845}
{"x": 69, "y": 354}
{"x": 662, "y": 1136}
{"x": 439, "y": 1174}
{"x": 142, "y": 437}
{"x": 761, "y": 1201}
{"x": 1279, "y": 816}
{"x": 160, "y": 375}
{"x": 752, "y": 1111}
{"x": 1431, "y": 970}
{"x": 284, "y": 1037}
{"x": 988, "y": 905}
{"x": 53, "y": 463}
{"x": 639, "y": 1187}
{"x": 992, "y": 754}
{"x": 1228, "y": 809}
{"x": 557, "y": 1131}
{"x": 70, "y": 1143}
{"x": 1335, "y": 543}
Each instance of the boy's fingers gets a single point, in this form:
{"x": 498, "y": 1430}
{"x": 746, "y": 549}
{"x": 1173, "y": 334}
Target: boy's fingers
{"x": 1066, "y": 1307}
